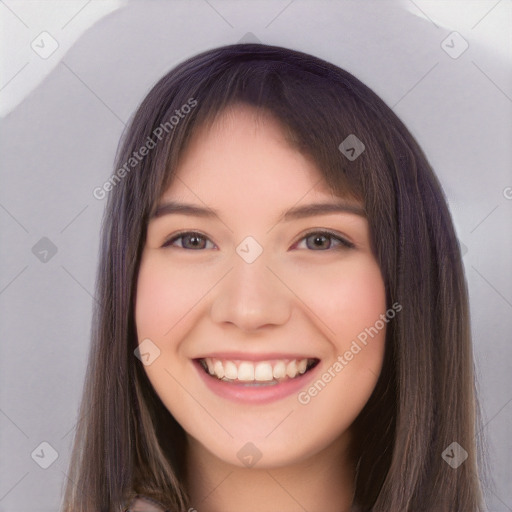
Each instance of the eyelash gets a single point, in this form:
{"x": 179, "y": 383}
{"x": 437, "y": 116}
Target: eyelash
{"x": 343, "y": 243}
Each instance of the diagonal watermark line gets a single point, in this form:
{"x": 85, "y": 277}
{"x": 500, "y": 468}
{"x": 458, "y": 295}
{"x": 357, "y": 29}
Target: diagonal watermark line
{"x": 80, "y": 284}
{"x": 14, "y": 218}
{"x": 372, "y": 372}
{"x": 206, "y": 1}
{"x": 13, "y": 279}
{"x": 199, "y": 403}
{"x": 74, "y": 16}
{"x": 298, "y": 201}
{"x": 279, "y": 13}
{"x": 87, "y": 87}
{"x": 286, "y": 491}
{"x": 14, "y": 423}
{"x": 496, "y": 496}
{"x": 74, "y": 218}
{"x": 80, "y": 419}
{"x": 5, "y": 5}
{"x": 206, "y": 206}
{"x": 70, "y": 430}
{"x": 216, "y": 487}
{"x": 280, "y": 423}
{"x": 493, "y": 287}
{"x": 12, "y": 78}
{"x": 492, "y": 211}
{"x": 196, "y": 303}
{"x": 424, "y": 13}
{"x": 485, "y": 15}
{"x": 491, "y": 80}
{"x": 487, "y": 423}
{"x": 75, "y": 485}
{"x": 14, "y": 485}
{"x": 415, "y": 85}
{"x": 300, "y": 299}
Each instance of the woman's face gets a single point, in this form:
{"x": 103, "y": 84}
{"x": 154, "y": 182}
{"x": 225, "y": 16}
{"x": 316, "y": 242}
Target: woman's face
{"x": 290, "y": 320}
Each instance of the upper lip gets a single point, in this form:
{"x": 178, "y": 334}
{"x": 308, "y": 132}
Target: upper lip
{"x": 244, "y": 356}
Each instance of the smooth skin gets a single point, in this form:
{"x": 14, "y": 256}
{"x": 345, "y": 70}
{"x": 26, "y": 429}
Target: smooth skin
{"x": 302, "y": 295}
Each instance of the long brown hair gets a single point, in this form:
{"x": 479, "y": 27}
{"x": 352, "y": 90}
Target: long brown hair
{"x": 127, "y": 442}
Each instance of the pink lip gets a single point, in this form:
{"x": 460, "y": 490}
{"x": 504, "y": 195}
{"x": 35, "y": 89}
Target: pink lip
{"x": 241, "y": 393}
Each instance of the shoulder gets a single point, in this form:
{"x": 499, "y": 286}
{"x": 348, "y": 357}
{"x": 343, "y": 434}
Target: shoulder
{"x": 144, "y": 504}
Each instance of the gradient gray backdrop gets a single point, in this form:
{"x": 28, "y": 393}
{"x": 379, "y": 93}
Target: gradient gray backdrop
{"x": 58, "y": 144}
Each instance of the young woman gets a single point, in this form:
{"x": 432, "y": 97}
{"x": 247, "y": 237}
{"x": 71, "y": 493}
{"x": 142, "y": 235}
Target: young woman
{"x": 283, "y": 318}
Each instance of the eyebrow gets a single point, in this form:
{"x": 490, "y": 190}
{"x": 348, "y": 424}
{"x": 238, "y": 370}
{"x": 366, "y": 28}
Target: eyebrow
{"x": 297, "y": 212}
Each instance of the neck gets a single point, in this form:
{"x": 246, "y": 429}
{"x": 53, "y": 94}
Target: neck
{"x": 324, "y": 481}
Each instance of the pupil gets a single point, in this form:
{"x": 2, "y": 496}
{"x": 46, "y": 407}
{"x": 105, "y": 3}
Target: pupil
{"x": 319, "y": 239}
{"x": 194, "y": 240}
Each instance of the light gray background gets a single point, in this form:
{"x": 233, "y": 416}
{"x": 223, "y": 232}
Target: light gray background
{"x": 58, "y": 144}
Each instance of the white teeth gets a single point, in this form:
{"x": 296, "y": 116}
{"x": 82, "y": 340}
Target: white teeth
{"x": 246, "y": 371}
{"x": 291, "y": 369}
{"x": 230, "y": 370}
{"x": 279, "y": 370}
{"x": 219, "y": 369}
{"x": 262, "y": 371}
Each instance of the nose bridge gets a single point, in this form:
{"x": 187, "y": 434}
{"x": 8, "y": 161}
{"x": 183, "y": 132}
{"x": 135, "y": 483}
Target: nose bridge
{"x": 250, "y": 295}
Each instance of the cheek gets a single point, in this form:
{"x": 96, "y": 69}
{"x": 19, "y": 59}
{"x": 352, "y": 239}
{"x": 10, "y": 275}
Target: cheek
{"x": 164, "y": 297}
{"x": 361, "y": 302}
{"x": 357, "y": 334}
{"x": 346, "y": 299}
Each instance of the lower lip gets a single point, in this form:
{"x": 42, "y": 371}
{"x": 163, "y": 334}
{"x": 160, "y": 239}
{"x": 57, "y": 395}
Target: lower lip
{"x": 264, "y": 394}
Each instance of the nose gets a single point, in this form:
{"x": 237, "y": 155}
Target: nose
{"x": 250, "y": 297}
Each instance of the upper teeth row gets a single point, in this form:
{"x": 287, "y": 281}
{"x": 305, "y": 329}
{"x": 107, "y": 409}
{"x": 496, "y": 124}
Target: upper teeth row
{"x": 261, "y": 371}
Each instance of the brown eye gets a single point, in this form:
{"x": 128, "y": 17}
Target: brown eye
{"x": 189, "y": 240}
{"x": 325, "y": 240}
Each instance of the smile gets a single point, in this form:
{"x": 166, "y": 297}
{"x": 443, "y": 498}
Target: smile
{"x": 257, "y": 373}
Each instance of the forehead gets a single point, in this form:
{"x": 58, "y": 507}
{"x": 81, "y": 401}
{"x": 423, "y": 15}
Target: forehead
{"x": 245, "y": 156}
